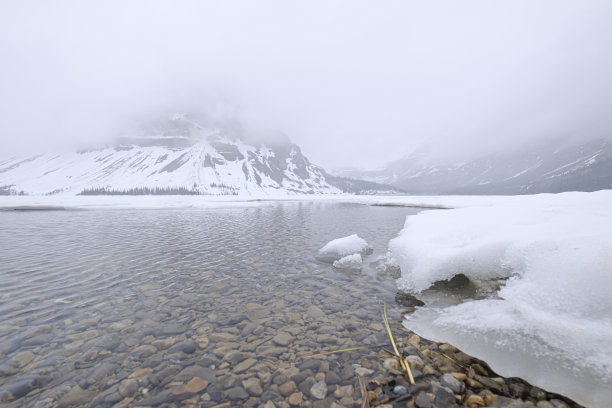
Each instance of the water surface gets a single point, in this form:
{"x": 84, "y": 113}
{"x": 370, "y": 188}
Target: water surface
{"x": 125, "y": 307}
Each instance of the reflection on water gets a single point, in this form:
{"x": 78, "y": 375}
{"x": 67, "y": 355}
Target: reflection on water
{"x": 187, "y": 307}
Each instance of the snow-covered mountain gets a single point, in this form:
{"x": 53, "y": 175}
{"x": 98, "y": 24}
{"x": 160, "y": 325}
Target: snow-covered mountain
{"x": 548, "y": 167}
{"x": 178, "y": 155}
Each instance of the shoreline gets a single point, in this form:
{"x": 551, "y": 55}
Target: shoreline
{"x": 447, "y": 377}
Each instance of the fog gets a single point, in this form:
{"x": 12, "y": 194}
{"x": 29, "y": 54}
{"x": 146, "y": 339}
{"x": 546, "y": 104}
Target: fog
{"x": 353, "y": 83}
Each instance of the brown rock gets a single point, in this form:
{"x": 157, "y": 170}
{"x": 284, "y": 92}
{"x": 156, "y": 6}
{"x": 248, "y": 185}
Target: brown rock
{"x": 194, "y": 386}
{"x": 287, "y": 388}
{"x": 474, "y": 401}
{"x": 128, "y": 387}
{"x": 473, "y": 383}
{"x": 415, "y": 362}
{"x": 295, "y": 399}
{"x": 459, "y": 376}
{"x": 141, "y": 372}
{"x": 489, "y": 398}
{"x": 244, "y": 365}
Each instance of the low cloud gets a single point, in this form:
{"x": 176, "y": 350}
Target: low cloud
{"x": 353, "y": 83}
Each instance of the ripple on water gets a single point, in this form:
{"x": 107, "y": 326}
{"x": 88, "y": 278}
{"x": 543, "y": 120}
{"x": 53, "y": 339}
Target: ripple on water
{"x": 123, "y": 306}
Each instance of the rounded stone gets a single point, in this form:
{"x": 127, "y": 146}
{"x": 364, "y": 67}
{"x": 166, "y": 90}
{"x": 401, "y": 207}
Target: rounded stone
{"x": 287, "y": 388}
{"x": 295, "y": 399}
{"x": 319, "y": 390}
{"x": 128, "y": 387}
{"x": 474, "y": 401}
{"x": 400, "y": 390}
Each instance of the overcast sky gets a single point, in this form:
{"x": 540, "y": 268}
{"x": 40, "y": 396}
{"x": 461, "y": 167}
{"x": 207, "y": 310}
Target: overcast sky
{"x": 354, "y": 83}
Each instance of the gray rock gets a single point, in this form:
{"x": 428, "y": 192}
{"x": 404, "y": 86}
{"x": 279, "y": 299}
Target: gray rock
{"x": 283, "y": 339}
{"x": 319, "y": 390}
{"x": 305, "y": 385}
{"x": 400, "y": 390}
{"x": 505, "y": 402}
{"x": 235, "y": 356}
{"x": 127, "y": 388}
{"x": 188, "y": 373}
{"x": 444, "y": 398}
{"x": 237, "y": 393}
{"x": 451, "y": 382}
{"x": 253, "y": 386}
{"x": 423, "y": 400}
{"x": 310, "y": 364}
{"x": 332, "y": 378}
{"x": 187, "y": 347}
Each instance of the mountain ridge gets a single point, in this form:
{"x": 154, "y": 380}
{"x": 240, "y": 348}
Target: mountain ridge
{"x": 178, "y": 156}
{"x": 552, "y": 166}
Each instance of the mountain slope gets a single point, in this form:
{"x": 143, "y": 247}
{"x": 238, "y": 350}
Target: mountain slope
{"x": 177, "y": 156}
{"x": 549, "y": 167}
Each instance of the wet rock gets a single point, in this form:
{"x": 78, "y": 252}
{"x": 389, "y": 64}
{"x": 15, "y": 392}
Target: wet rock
{"x": 347, "y": 372}
{"x": 156, "y": 400}
{"x": 407, "y": 300}
{"x": 444, "y": 398}
{"x": 459, "y": 376}
{"x": 253, "y": 386}
{"x": 474, "y": 401}
{"x": 74, "y": 397}
{"x": 128, "y": 387}
{"x": 423, "y": 400}
{"x": 270, "y": 396}
{"x": 21, "y": 359}
{"x": 113, "y": 398}
{"x": 187, "y": 347}
{"x": 172, "y": 329}
{"x": 451, "y": 382}
{"x": 415, "y": 362}
{"x": 505, "y": 402}
{"x": 141, "y": 372}
{"x": 244, "y": 365}
{"x": 295, "y": 399}
{"x": 305, "y": 385}
{"x": 473, "y": 383}
{"x": 144, "y": 351}
{"x": 287, "y": 388}
{"x": 344, "y": 391}
{"x": 491, "y": 383}
{"x": 283, "y": 339}
{"x": 202, "y": 341}
{"x": 124, "y": 404}
{"x": 319, "y": 390}
{"x": 326, "y": 339}
{"x": 362, "y": 371}
{"x": 235, "y": 356}
{"x": 195, "y": 370}
{"x": 332, "y": 378}
{"x": 194, "y": 386}
{"x": 18, "y": 389}
{"x": 223, "y": 337}
{"x": 310, "y": 365}
{"x": 237, "y": 393}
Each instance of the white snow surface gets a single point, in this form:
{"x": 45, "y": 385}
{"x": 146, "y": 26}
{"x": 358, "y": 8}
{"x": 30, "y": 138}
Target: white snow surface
{"x": 551, "y": 323}
{"x": 342, "y": 247}
{"x": 353, "y": 261}
{"x": 224, "y": 166}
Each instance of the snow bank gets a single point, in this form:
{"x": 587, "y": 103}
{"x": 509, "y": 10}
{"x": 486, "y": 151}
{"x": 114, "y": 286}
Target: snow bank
{"x": 349, "y": 262}
{"x": 341, "y": 247}
{"x": 551, "y": 323}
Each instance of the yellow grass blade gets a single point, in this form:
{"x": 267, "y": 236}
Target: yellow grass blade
{"x": 324, "y": 353}
{"x": 403, "y": 362}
